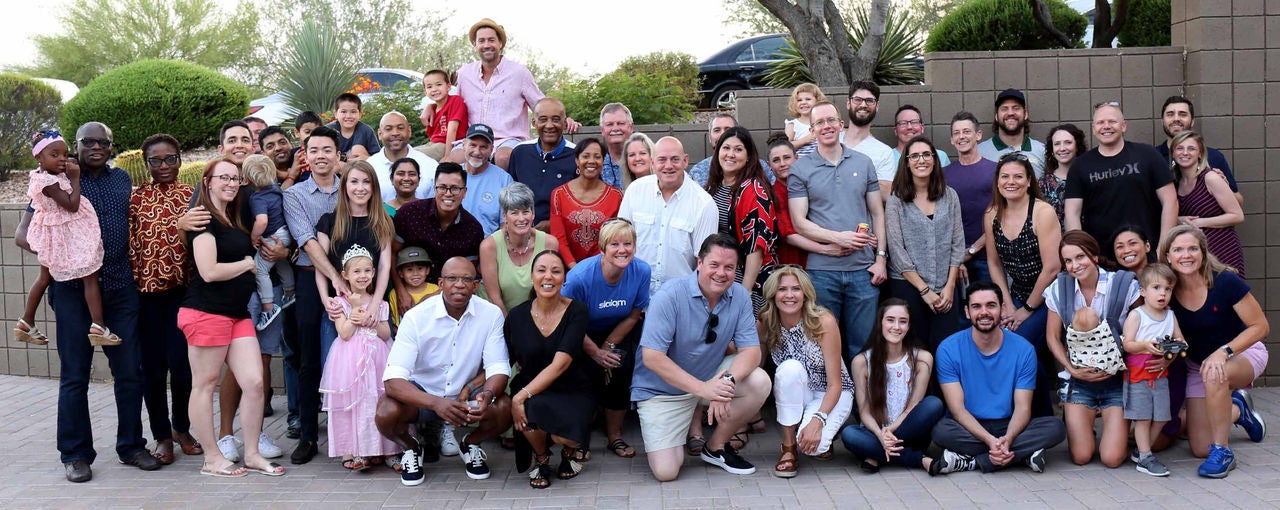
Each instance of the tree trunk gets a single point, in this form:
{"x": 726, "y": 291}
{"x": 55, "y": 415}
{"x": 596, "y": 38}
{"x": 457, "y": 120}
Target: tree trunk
{"x": 1040, "y": 10}
{"x": 1106, "y": 26}
{"x": 863, "y": 65}
{"x": 819, "y": 31}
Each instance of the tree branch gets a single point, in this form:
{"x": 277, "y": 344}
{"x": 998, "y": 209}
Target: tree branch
{"x": 1103, "y": 34}
{"x": 1040, "y": 10}
{"x": 863, "y": 65}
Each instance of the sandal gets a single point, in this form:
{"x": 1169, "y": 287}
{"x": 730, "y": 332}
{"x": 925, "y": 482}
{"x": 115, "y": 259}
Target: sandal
{"x": 355, "y": 464}
{"x": 622, "y": 449}
{"x": 824, "y": 456}
{"x": 164, "y": 452}
{"x": 579, "y": 454}
{"x": 272, "y": 469}
{"x": 739, "y": 440}
{"x": 540, "y": 475}
{"x": 752, "y": 427}
{"x": 188, "y": 444}
{"x": 30, "y": 334}
{"x": 786, "y": 466}
{"x": 693, "y": 445}
{"x": 393, "y": 462}
{"x": 103, "y": 337}
{"x": 569, "y": 466}
{"x": 229, "y": 471}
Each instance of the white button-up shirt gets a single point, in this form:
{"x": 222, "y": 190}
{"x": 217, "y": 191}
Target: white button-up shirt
{"x": 442, "y": 354}
{"x": 426, "y": 174}
{"x": 668, "y": 232}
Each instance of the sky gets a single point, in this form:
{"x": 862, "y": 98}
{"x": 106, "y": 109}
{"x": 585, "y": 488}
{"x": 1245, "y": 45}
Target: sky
{"x": 569, "y": 31}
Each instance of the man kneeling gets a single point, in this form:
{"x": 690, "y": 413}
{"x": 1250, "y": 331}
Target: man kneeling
{"x": 440, "y": 346}
{"x": 987, "y": 375}
{"x": 690, "y": 324}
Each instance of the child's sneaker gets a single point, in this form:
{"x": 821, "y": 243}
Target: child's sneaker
{"x": 1250, "y": 420}
{"x": 104, "y": 337}
{"x": 268, "y": 317}
{"x": 286, "y": 301}
{"x": 1150, "y": 465}
{"x": 1221, "y": 461}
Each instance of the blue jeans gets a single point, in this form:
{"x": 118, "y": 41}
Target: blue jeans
{"x": 164, "y": 356}
{"x": 978, "y": 269}
{"x": 75, "y": 357}
{"x": 914, "y": 432}
{"x": 852, "y": 299}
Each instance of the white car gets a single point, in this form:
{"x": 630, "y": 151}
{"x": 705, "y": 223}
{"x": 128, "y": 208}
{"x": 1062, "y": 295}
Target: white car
{"x": 273, "y": 110}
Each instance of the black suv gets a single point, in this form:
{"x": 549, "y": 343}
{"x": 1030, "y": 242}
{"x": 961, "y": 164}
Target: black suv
{"x": 740, "y": 66}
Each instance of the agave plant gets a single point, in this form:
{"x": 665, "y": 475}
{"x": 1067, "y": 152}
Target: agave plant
{"x": 316, "y": 70}
{"x": 898, "y": 64}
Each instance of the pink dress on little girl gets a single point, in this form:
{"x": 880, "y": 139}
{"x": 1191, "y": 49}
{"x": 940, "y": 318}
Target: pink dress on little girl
{"x": 351, "y": 386}
{"x": 68, "y": 243}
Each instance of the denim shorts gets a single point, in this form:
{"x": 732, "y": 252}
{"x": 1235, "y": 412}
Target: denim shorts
{"x": 1097, "y": 395}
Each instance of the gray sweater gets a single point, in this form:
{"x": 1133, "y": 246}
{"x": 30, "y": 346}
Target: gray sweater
{"x": 928, "y": 247}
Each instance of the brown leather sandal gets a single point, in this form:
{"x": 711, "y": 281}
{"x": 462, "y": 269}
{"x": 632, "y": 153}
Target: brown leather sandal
{"x": 786, "y": 466}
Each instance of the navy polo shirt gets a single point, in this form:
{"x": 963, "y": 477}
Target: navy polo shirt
{"x": 543, "y": 171}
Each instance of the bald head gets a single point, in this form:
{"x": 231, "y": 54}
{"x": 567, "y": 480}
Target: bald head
{"x": 394, "y": 133}
{"x": 669, "y": 162}
{"x": 392, "y": 117}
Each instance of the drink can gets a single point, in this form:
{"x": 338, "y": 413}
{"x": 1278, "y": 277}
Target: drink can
{"x": 864, "y": 228}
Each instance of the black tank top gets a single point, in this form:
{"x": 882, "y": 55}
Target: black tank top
{"x": 1020, "y": 256}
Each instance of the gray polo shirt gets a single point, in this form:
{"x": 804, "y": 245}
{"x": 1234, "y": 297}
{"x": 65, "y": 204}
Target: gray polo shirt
{"x": 677, "y": 323}
{"x": 837, "y": 201}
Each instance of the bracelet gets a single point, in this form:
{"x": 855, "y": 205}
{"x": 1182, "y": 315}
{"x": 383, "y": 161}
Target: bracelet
{"x": 470, "y": 389}
{"x": 527, "y": 392}
{"x": 821, "y": 416}
{"x": 1029, "y": 308}
{"x": 925, "y": 291}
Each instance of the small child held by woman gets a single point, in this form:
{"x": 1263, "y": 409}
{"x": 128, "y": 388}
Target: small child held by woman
{"x": 1146, "y": 400}
{"x": 798, "y": 127}
{"x": 64, "y": 234}
{"x": 352, "y": 381}
{"x": 267, "y": 206}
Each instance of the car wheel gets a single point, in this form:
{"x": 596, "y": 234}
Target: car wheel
{"x": 725, "y": 96}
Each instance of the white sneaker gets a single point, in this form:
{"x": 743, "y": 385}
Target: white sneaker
{"x": 268, "y": 448}
{"x": 448, "y": 443}
{"x": 230, "y": 445}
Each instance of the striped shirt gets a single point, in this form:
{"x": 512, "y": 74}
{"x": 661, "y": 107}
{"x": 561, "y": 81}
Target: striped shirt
{"x": 304, "y": 204}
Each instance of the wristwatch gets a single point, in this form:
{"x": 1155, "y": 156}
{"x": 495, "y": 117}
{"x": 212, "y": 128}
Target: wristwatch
{"x": 971, "y": 250}
{"x": 1231, "y": 353}
{"x": 729, "y": 377}
{"x": 882, "y": 253}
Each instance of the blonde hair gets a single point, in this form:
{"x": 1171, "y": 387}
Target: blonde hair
{"x": 1211, "y": 263}
{"x": 818, "y": 97}
{"x": 259, "y": 171}
{"x": 615, "y": 228}
{"x": 771, "y": 318}
{"x": 627, "y": 175}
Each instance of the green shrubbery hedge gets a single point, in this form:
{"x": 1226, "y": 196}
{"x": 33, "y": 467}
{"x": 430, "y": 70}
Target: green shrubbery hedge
{"x": 159, "y": 96}
{"x": 27, "y": 105}
{"x": 404, "y": 98}
{"x": 1147, "y": 25}
{"x": 1001, "y": 25}
{"x": 658, "y": 88}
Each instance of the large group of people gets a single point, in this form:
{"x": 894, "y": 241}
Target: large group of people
{"x": 508, "y": 287}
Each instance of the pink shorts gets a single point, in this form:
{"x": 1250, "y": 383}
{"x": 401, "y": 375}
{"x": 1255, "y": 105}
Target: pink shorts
{"x": 211, "y": 330}
{"x": 1256, "y": 354}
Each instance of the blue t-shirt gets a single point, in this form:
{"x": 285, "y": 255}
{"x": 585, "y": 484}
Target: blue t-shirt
{"x": 608, "y": 304}
{"x": 482, "y": 196}
{"x": 677, "y": 324}
{"x": 988, "y": 381}
{"x": 268, "y": 201}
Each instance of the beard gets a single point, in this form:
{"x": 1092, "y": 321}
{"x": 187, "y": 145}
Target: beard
{"x": 853, "y": 118}
{"x": 1017, "y": 130}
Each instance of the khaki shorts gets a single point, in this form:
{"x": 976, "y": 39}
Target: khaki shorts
{"x": 664, "y": 419}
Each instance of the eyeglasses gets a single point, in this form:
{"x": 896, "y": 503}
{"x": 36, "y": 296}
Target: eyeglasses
{"x": 170, "y": 160}
{"x": 920, "y": 156}
{"x": 94, "y": 142}
{"x": 616, "y": 220}
{"x": 1115, "y": 104}
{"x": 229, "y": 178}
{"x": 869, "y": 101}
{"x": 713, "y": 320}
{"x": 1014, "y": 156}
{"x": 909, "y": 123}
{"x": 829, "y": 121}
{"x": 452, "y": 280}
{"x": 442, "y": 189}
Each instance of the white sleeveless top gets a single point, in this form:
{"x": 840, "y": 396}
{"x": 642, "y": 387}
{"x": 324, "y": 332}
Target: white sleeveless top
{"x": 897, "y": 388}
{"x": 1149, "y": 327}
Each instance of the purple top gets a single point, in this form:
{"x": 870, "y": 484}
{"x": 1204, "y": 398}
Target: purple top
{"x": 973, "y": 184}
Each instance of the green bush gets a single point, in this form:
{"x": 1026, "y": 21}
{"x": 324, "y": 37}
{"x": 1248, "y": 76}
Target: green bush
{"x": 1002, "y": 25}
{"x": 27, "y": 105}
{"x": 658, "y": 88}
{"x": 681, "y": 69}
{"x": 159, "y": 96}
{"x": 404, "y": 98}
{"x": 1147, "y": 25}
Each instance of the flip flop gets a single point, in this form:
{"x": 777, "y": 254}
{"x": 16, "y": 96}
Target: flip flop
{"x": 231, "y": 471}
{"x": 273, "y": 469}
{"x": 620, "y": 448}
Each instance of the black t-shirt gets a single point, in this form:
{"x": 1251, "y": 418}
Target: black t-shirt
{"x": 359, "y": 233}
{"x": 228, "y": 298}
{"x": 1119, "y": 190}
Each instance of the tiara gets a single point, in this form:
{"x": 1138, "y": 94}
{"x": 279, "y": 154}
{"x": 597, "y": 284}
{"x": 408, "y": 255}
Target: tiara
{"x": 355, "y": 251}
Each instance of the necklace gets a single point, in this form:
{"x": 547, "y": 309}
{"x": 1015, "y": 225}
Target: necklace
{"x": 538, "y": 318}
{"x": 528, "y": 245}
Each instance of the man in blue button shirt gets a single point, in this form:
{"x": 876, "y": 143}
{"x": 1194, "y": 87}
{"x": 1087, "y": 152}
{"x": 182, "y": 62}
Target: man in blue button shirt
{"x": 691, "y": 323}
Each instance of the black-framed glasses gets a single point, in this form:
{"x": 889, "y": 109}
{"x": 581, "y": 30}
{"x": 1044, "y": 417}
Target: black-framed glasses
{"x": 442, "y": 189}
{"x": 170, "y": 160}
{"x": 713, "y": 320}
{"x": 451, "y": 279}
{"x": 94, "y": 142}
{"x": 919, "y": 156}
{"x": 1107, "y": 103}
{"x": 869, "y": 101}
{"x": 228, "y": 178}
{"x": 909, "y": 123}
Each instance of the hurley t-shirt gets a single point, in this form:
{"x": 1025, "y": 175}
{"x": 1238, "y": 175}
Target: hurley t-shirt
{"x": 988, "y": 380}
{"x": 1119, "y": 190}
{"x": 608, "y": 304}
{"x": 973, "y": 185}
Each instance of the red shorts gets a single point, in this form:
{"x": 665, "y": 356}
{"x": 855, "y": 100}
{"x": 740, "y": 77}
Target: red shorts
{"x": 210, "y": 330}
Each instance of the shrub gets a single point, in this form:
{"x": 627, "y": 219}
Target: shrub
{"x": 1002, "y": 25}
{"x": 159, "y": 96}
{"x": 1147, "y": 25}
{"x": 896, "y": 64}
{"x": 681, "y": 69}
{"x": 403, "y": 98}
{"x": 658, "y": 88}
{"x": 315, "y": 69}
{"x": 27, "y": 105}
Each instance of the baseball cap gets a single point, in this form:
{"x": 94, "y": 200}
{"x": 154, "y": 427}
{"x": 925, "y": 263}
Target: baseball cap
{"x": 480, "y": 130}
{"x": 1014, "y": 94}
{"x": 412, "y": 254}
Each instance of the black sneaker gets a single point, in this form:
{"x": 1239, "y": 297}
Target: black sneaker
{"x": 728, "y": 460}
{"x": 411, "y": 468}
{"x": 474, "y": 458}
{"x": 952, "y": 462}
{"x": 1036, "y": 461}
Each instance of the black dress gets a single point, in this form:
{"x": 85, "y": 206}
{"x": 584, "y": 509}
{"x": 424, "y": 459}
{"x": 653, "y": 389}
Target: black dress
{"x": 564, "y": 408}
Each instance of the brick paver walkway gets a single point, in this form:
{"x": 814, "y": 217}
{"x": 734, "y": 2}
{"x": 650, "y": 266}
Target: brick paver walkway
{"x": 31, "y": 477}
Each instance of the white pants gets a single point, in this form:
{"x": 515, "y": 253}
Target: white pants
{"x": 797, "y": 403}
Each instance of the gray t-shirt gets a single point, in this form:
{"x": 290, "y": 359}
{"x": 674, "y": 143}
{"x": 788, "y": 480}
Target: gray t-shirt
{"x": 837, "y": 201}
